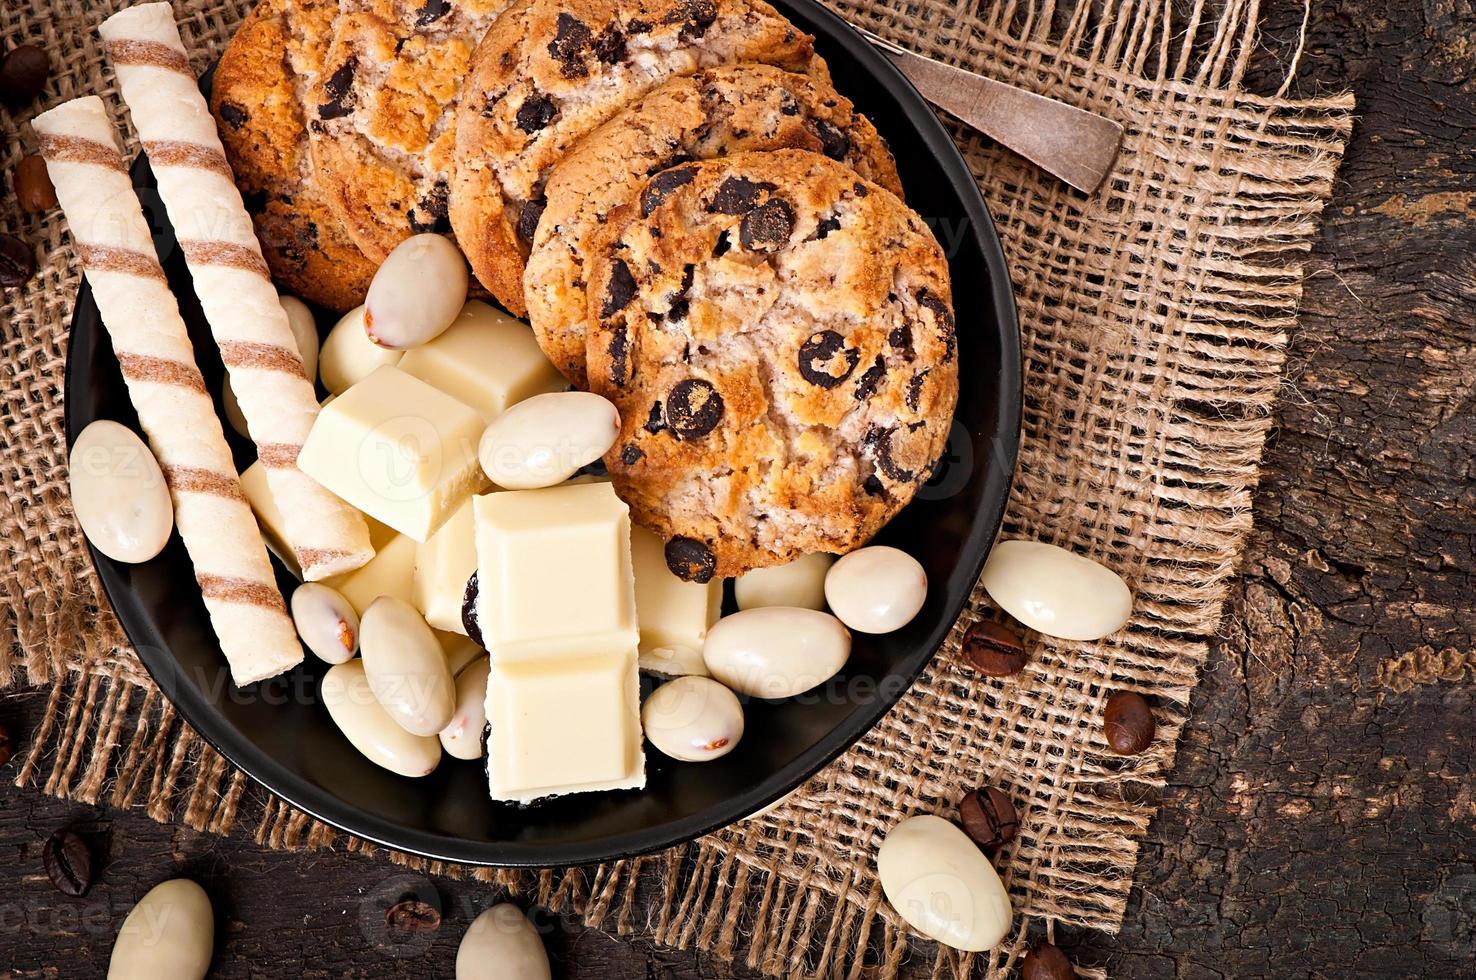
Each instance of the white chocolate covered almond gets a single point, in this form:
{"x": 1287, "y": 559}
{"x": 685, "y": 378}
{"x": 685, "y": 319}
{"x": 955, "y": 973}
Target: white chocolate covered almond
{"x": 119, "y": 493}
{"x": 1056, "y": 592}
{"x": 776, "y": 651}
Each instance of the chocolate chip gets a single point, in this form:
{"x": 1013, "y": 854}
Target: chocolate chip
{"x": 33, "y": 185}
{"x": 944, "y": 317}
{"x": 695, "y": 16}
{"x": 433, "y": 11}
{"x": 536, "y": 112}
{"x": 914, "y": 389}
{"x": 870, "y": 379}
{"x": 412, "y": 916}
{"x": 788, "y": 105}
{"x": 620, "y": 291}
{"x": 620, "y": 370}
{"x": 1046, "y": 962}
{"x": 825, "y": 226}
{"x": 879, "y": 441}
{"x": 433, "y": 213}
{"x": 631, "y": 454}
{"x": 723, "y": 245}
{"x": 571, "y": 38}
{"x": 1128, "y": 723}
{"x": 678, "y": 306}
{"x": 817, "y": 359}
{"x": 873, "y": 486}
{"x": 768, "y": 226}
{"x": 693, "y": 409}
{"x": 988, "y": 817}
{"x": 737, "y": 195}
{"x": 528, "y": 217}
{"x": 656, "y": 419}
{"x": 833, "y": 142}
{"x": 17, "y": 262}
{"x": 340, "y": 91}
{"x": 994, "y": 649}
{"x": 609, "y": 47}
{"x": 900, "y": 340}
{"x": 660, "y": 187}
{"x": 68, "y": 862}
{"x": 233, "y": 115}
{"x": 7, "y": 745}
{"x": 690, "y": 560}
{"x": 469, "y": 611}
{"x": 23, "y": 74}
{"x": 860, "y": 189}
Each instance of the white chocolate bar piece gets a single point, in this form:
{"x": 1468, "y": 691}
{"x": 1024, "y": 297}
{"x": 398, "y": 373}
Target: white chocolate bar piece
{"x": 390, "y": 572}
{"x": 231, "y": 280}
{"x": 564, "y": 725}
{"x": 674, "y": 614}
{"x": 554, "y": 573}
{"x": 487, "y": 360}
{"x": 175, "y": 410}
{"x": 398, "y": 449}
{"x": 442, "y": 566}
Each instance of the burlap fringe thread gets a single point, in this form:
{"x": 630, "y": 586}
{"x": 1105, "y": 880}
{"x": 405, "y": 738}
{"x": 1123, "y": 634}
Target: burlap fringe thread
{"x": 1154, "y": 316}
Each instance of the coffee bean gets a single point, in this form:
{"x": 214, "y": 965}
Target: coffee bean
{"x": 469, "y": 611}
{"x": 1128, "y": 722}
{"x": 68, "y": 862}
{"x": 1046, "y": 962}
{"x": 7, "y": 745}
{"x": 690, "y": 560}
{"x": 33, "y": 185}
{"x": 988, "y": 817}
{"x": 23, "y": 74}
{"x": 17, "y": 262}
{"x": 412, "y": 915}
{"x": 994, "y": 649}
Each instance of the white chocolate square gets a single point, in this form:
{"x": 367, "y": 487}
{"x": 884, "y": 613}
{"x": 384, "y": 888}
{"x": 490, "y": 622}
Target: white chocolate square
{"x": 398, "y": 449}
{"x": 564, "y": 726}
{"x": 390, "y": 572}
{"x": 487, "y": 360}
{"x": 442, "y": 566}
{"x": 554, "y": 573}
{"x": 674, "y": 614}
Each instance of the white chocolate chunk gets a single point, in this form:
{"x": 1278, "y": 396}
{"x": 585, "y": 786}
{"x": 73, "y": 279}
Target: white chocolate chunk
{"x": 442, "y": 566}
{"x": 485, "y": 359}
{"x": 536, "y": 749}
{"x": 554, "y": 573}
{"x": 390, "y": 572}
{"x": 399, "y": 450}
{"x": 349, "y": 356}
{"x": 798, "y": 583}
{"x": 674, "y": 614}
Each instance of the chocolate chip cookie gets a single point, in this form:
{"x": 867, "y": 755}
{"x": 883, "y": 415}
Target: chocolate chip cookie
{"x": 383, "y": 113}
{"x": 258, "y": 98}
{"x": 778, "y": 335}
{"x": 712, "y": 114}
{"x": 550, "y": 71}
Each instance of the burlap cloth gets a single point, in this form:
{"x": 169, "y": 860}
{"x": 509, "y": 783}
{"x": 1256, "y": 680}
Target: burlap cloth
{"x": 1154, "y": 320}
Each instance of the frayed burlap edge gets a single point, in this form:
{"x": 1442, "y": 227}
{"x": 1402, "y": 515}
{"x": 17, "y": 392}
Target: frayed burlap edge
{"x": 1155, "y": 315}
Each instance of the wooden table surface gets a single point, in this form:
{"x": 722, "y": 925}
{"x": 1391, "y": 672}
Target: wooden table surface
{"x": 1321, "y": 819}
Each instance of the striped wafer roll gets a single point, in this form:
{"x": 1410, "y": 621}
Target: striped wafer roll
{"x": 176, "y": 412}
{"x": 231, "y": 279}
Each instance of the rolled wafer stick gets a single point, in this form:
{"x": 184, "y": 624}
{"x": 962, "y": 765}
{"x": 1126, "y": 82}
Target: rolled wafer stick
{"x": 176, "y": 412}
{"x": 231, "y": 278}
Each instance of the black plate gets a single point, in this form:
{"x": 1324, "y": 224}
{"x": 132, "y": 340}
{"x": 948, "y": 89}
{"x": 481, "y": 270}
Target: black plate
{"x": 281, "y": 736}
